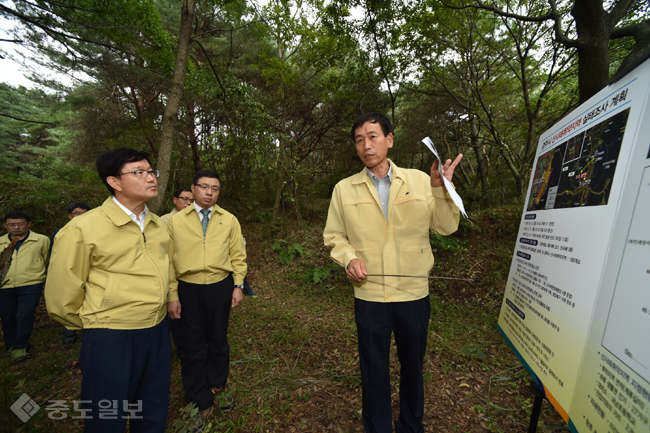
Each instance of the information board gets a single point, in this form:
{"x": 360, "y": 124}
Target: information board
{"x": 576, "y": 308}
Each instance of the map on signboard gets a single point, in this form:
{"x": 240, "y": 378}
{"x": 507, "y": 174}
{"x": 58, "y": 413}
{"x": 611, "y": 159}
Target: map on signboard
{"x": 579, "y": 171}
{"x": 547, "y": 177}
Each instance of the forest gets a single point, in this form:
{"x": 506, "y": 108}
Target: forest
{"x": 264, "y": 93}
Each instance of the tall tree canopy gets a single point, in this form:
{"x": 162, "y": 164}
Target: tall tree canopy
{"x": 265, "y": 94}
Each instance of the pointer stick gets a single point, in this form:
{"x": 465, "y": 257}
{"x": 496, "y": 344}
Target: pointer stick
{"x": 430, "y": 278}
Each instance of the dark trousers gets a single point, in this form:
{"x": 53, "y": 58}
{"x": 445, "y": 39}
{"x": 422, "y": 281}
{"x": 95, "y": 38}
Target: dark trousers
{"x": 175, "y": 326}
{"x": 126, "y": 370}
{"x": 17, "y": 312}
{"x": 68, "y": 335}
{"x": 375, "y": 323}
{"x": 205, "y": 363}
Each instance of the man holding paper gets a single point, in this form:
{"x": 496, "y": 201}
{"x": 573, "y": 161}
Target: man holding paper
{"x": 378, "y": 224}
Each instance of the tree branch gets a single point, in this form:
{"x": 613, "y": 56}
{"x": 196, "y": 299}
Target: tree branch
{"x": 381, "y": 62}
{"x": 618, "y": 12}
{"x": 214, "y": 71}
{"x": 552, "y": 14}
{"x": 637, "y": 31}
{"x": 25, "y": 120}
{"x": 209, "y": 32}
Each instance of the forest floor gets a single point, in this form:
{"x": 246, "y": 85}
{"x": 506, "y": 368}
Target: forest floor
{"x": 294, "y": 358}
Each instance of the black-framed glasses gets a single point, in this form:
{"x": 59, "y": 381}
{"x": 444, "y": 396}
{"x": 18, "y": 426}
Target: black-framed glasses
{"x": 205, "y": 187}
{"x": 141, "y": 174}
{"x": 186, "y": 199}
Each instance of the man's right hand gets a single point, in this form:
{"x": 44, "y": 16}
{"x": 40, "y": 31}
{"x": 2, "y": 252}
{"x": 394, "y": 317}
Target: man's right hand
{"x": 357, "y": 271}
{"x": 174, "y": 309}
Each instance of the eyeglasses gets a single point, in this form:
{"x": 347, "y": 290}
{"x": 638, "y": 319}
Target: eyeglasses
{"x": 186, "y": 199}
{"x": 205, "y": 187}
{"x": 142, "y": 174}
{"x": 16, "y": 225}
{"x": 79, "y": 212}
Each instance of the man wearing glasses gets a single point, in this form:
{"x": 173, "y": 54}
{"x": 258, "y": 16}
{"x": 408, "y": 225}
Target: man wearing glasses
{"x": 109, "y": 275}
{"x": 183, "y": 197}
{"x": 23, "y": 283}
{"x": 209, "y": 258}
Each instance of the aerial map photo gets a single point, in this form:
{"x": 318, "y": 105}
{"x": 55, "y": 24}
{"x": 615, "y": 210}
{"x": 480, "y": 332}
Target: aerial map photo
{"x": 579, "y": 171}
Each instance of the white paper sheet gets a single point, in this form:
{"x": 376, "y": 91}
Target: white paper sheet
{"x": 452, "y": 192}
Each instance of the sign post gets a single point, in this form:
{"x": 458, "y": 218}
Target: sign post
{"x": 576, "y": 308}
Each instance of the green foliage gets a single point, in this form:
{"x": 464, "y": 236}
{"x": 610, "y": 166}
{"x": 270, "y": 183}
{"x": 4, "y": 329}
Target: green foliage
{"x": 288, "y": 253}
{"x": 188, "y": 420}
{"x": 317, "y": 274}
{"x": 472, "y": 351}
{"x": 446, "y": 243}
{"x": 45, "y": 189}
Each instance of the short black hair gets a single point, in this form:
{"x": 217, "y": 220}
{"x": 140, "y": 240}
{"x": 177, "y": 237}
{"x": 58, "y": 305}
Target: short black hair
{"x": 80, "y": 205}
{"x": 207, "y": 173}
{"x": 180, "y": 191}
{"x": 383, "y": 121}
{"x": 110, "y": 163}
{"x": 17, "y": 215}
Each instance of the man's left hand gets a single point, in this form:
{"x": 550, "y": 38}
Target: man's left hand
{"x": 237, "y": 297}
{"x": 448, "y": 168}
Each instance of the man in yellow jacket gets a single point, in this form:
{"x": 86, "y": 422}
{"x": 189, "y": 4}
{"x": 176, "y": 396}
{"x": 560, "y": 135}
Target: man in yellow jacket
{"x": 109, "y": 275}
{"x": 378, "y": 224}
{"x": 22, "y": 286}
{"x": 209, "y": 259}
{"x": 183, "y": 197}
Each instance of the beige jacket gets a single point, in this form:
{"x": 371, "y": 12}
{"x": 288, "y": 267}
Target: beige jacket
{"x": 29, "y": 262}
{"x": 357, "y": 229}
{"x": 210, "y": 259}
{"x": 106, "y": 273}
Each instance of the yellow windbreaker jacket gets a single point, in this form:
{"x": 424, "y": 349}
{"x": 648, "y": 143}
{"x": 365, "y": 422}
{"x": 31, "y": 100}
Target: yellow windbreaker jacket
{"x": 29, "y": 262}
{"x": 106, "y": 273}
{"x": 206, "y": 260}
{"x": 357, "y": 229}
{"x": 165, "y": 218}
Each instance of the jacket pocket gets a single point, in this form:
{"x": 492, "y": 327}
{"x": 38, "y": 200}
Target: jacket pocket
{"x": 109, "y": 293}
{"x": 410, "y": 198}
{"x": 411, "y": 212}
{"x": 368, "y": 251}
{"x": 358, "y": 201}
{"x": 416, "y": 257}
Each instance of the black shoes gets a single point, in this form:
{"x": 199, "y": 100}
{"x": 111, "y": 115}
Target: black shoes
{"x": 223, "y": 399}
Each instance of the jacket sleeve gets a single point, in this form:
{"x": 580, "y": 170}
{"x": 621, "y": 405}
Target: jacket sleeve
{"x": 46, "y": 251}
{"x": 335, "y": 234}
{"x": 445, "y": 215}
{"x": 173, "y": 282}
{"x": 237, "y": 253}
{"x": 67, "y": 276}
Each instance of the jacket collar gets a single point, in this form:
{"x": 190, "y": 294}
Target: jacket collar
{"x": 119, "y": 217}
{"x": 362, "y": 177}
{"x": 189, "y": 209}
{"x": 396, "y": 184}
{"x": 29, "y": 238}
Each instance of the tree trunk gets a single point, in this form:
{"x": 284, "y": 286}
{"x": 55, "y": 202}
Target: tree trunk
{"x": 480, "y": 161}
{"x": 279, "y": 177}
{"x": 173, "y": 103}
{"x": 592, "y": 26}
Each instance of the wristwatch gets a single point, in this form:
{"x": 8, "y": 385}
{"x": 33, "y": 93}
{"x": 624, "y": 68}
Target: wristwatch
{"x": 239, "y": 286}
